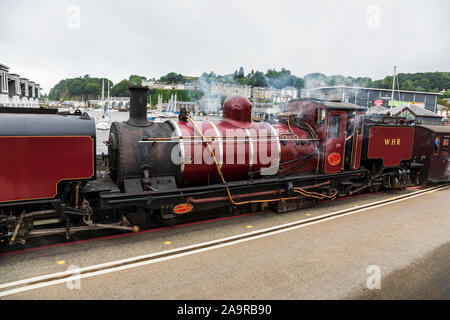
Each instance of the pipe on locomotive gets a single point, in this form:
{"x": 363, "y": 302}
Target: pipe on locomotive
{"x": 138, "y": 106}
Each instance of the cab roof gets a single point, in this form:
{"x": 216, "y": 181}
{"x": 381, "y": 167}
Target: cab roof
{"x": 342, "y": 105}
{"x": 438, "y": 129}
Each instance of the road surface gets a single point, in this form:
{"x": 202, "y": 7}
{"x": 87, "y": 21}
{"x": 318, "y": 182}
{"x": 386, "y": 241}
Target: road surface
{"x": 408, "y": 242}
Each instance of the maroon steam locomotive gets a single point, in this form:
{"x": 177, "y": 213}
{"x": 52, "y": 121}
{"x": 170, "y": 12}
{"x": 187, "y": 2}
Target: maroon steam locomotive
{"x": 164, "y": 172}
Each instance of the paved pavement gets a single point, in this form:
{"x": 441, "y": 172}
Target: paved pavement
{"x": 428, "y": 278}
{"x": 409, "y": 241}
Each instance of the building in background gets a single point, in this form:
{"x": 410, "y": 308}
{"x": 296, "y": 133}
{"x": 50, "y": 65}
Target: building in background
{"x": 415, "y": 114}
{"x": 369, "y": 97}
{"x": 289, "y": 92}
{"x": 229, "y": 89}
{"x": 16, "y": 91}
{"x": 443, "y": 111}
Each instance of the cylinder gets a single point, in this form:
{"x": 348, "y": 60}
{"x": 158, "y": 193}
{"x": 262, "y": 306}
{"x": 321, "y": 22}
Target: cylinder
{"x": 138, "y": 106}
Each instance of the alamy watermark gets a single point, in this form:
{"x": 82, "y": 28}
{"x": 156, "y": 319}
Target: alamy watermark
{"x": 236, "y": 146}
{"x": 373, "y": 21}
{"x": 73, "y": 20}
{"x": 374, "y": 280}
{"x": 74, "y": 281}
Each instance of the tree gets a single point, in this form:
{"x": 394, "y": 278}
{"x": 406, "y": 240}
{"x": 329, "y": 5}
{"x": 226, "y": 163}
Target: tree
{"x": 121, "y": 89}
{"x": 241, "y": 73}
{"x": 92, "y": 89}
{"x": 425, "y": 83}
{"x": 77, "y": 88}
{"x": 136, "y": 80}
{"x": 172, "y": 77}
{"x": 258, "y": 80}
{"x": 407, "y": 85}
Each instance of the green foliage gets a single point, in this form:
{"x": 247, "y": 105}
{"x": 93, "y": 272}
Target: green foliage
{"x": 121, "y": 88}
{"x": 172, "y": 77}
{"x": 239, "y": 75}
{"x": 427, "y": 81}
{"x": 444, "y": 103}
{"x": 78, "y": 88}
{"x": 136, "y": 80}
{"x": 258, "y": 80}
{"x": 283, "y": 78}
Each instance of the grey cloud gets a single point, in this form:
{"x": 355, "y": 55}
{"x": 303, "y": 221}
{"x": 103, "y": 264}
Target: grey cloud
{"x": 152, "y": 38}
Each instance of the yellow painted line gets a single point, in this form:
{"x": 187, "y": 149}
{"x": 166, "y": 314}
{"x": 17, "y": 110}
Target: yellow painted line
{"x": 308, "y": 214}
{"x": 61, "y": 262}
{"x": 168, "y": 242}
{"x": 249, "y": 227}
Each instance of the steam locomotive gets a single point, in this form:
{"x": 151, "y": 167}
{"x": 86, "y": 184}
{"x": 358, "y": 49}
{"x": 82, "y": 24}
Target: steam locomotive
{"x": 166, "y": 172}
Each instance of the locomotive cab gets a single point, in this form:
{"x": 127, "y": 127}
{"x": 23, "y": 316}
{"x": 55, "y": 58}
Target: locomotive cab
{"x": 341, "y": 138}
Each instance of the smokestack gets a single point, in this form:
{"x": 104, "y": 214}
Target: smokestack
{"x": 138, "y": 106}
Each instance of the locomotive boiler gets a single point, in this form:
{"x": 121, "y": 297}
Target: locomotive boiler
{"x": 200, "y": 152}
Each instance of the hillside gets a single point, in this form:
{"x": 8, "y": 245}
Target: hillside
{"x": 90, "y": 88}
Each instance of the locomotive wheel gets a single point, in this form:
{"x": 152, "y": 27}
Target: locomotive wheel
{"x": 137, "y": 218}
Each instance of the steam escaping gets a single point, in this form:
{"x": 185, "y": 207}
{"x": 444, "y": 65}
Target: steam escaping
{"x": 315, "y": 80}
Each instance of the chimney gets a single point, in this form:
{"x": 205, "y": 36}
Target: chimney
{"x": 138, "y": 106}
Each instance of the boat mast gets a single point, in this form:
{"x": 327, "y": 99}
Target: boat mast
{"x": 103, "y": 89}
{"x": 107, "y": 104}
{"x": 393, "y": 85}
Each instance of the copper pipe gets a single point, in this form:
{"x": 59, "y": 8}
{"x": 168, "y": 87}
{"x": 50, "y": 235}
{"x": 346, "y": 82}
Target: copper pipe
{"x": 253, "y": 194}
{"x": 238, "y": 196}
{"x": 316, "y": 185}
{"x": 36, "y": 213}
{"x": 359, "y": 189}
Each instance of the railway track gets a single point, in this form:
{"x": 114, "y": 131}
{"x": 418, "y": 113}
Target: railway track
{"x": 14, "y": 287}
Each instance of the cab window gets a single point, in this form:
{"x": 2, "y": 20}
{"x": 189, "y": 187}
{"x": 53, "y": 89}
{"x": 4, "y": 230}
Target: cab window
{"x": 335, "y": 126}
{"x": 319, "y": 116}
{"x": 360, "y": 125}
{"x": 444, "y": 148}
{"x": 437, "y": 142}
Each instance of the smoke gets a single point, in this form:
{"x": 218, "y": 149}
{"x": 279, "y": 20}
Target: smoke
{"x": 210, "y": 102}
{"x": 315, "y": 80}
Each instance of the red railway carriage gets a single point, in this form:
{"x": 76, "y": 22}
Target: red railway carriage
{"x": 39, "y": 151}
{"x": 432, "y": 149}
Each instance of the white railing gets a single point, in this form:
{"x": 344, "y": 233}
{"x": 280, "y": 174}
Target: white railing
{"x": 18, "y": 102}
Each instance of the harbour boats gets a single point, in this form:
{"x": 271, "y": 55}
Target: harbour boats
{"x": 103, "y": 124}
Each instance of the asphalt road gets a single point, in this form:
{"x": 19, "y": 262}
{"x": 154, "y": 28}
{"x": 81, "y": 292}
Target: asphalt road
{"x": 408, "y": 242}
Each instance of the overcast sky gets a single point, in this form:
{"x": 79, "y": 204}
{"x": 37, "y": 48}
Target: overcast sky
{"x": 47, "y": 41}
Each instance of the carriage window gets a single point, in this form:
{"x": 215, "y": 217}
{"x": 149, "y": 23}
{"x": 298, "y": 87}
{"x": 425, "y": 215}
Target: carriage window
{"x": 360, "y": 124}
{"x": 320, "y": 116}
{"x": 444, "y": 145}
{"x": 335, "y": 126}
{"x": 437, "y": 142}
